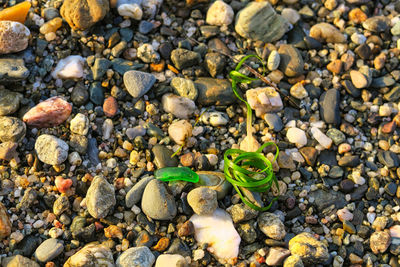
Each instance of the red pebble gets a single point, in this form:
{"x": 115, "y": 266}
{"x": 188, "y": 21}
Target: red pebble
{"x": 110, "y": 106}
{"x": 63, "y": 184}
{"x": 57, "y": 224}
{"x": 49, "y": 113}
{"x": 98, "y": 226}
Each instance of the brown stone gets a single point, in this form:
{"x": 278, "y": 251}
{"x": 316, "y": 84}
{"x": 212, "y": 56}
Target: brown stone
{"x": 309, "y": 154}
{"x": 113, "y": 231}
{"x": 356, "y": 15}
{"x": 186, "y": 229}
{"x": 8, "y": 150}
{"x": 187, "y": 159}
{"x": 389, "y": 127}
{"x": 335, "y": 66}
{"x": 5, "y": 224}
{"x": 110, "y": 106}
{"x": 49, "y": 113}
{"x": 83, "y": 14}
{"x": 379, "y": 242}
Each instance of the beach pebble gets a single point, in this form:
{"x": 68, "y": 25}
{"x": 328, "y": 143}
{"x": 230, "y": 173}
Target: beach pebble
{"x": 89, "y": 13}
{"x": 219, "y": 13}
{"x": 49, "y": 250}
{"x": 130, "y": 10}
{"x": 180, "y": 107}
{"x": 100, "y": 198}
{"x": 70, "y": 67}
{"x": 271, "y": 225}
{"x": 5, "y": 223}
{"x": 136, "y": 256}
{"x": 9, "y": 101}
{"x": 11, "y": 129}
{"x": 379, "y": 242}
{"x": 184, "y": 87}
{"x": 14, "y": 37}
{"x": 51, "y": 150}
{"x": 91, "y": 255}
{"x": 276, "y": 256}
{"x": 171, "y": 260}
{"x": 273, "y": 60}
{"x": 79, "y": 124}
{"x": 325, "y": 32}
{"x": 203, "y": 200}
{"x": 179, "y": 131}
{"x": 138, "y": 83}
{"x": 264, "y": 100}
{"x": 297, "y": 136}
{"x": 298, "y": 91}
{"x": 322, "y": 139}
{"x": 308, "y": 248}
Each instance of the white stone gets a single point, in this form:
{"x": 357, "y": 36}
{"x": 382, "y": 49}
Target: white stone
{"x": 322, "y": 139}
{"x": 218, "y": 232}
{"x": 79, "y": 124}
{"x": 385, "y": 111}
{"x": 298, "y": 91}
{"x": 179, "y": 131}
{"x": 180, "y": 107}
{"x": 371, "y": 217}
{"x": 133, "y": 11}
{"x": 264, "y": 100}
{"x": 69, "y": 68}
{"x": 171, "y": 260}
{"x": 108, "y": 127}
{"x": 215, "y": 118}
{"x": 291, "y": 15}
{"x": 273, "y": 60}
{"x": 75, "y": 159}
{"x": 358, "y": 38}
{"x": 219, "y": 13}
{"x": 296, "y": 136}
{"x": 213, "y": 159}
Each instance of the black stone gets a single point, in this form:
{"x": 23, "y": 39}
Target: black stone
{"x": 353, "y": 91}
{"x": 329, "y": 106}
{"x": 327, "y": 157}
{"x": 346, "y": 185}
{"x": 391, "y": 188}
{"x": 162, "y": 157}
{"x": 389, "y": 159}
{"x": 179, "y": 247}
{"x": 79, "y": 95}
{"x": 323, "y": 199}
{"x": 363, "y": 51}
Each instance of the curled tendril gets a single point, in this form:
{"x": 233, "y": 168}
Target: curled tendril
{"x": 250, "y": 170}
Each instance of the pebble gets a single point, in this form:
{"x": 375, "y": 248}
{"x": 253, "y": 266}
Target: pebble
{"x": 271, "y": 225}
{"x": 162, "y": 157}
{"x": 12, "y": 69}
{"x": 298, "y": 91}
{"x": 388, "y": 159}
{"x": 276, "y": 256}
{"x": 19, "y": 260}
{"x": 11, "y": 129}
{"x": 291, "y": 61}
{"x": 264, "y": 100}
{"x": 214, "y": 63}
{"x": 344, "y": 215}
{"x": 14, "y": 37}
{"x": 376, "y": 24}
{"x": 183, "y": 58}
{"x": 379, "y": 242}
{"x": 291, "y": 15}
{"x": 296, "y": 136}
{"x": 214, "y": 92}
{"x": 9, "y": 101}
{"x": 85, "y": 17}
{"x": 308, "y": 248}
{"x": 70, "y": 67}
{"x": 91, "y": 255}
{"x": 260, "y": 22}
{"x": 273, "y": 60}
{"x": 203, "y": 200}
{"x": 5, "y": 223}
{"x": 147, "y": 53}
{"x": 325, "y": 32}
{"x": 131, "y": 10}
{"x": 134, "y": 195}
{"x": 138, "y": 83}
{"x": 322, "y": 139}
{"x": 215, "y": 118}
{"x": 79, "y": 124}
{"x": 179, "y": 131}
{"x": 219, "y": 13}
{"x": 49, "y": 250}
{"x": 180, "y": 107}
{"x": 51, "y": 150}
{"x": 157, "y": 201}
{"x": 184, "y": 88}
{"x": 145, "y": 27}
{"x": 48, "y": 113}
{"x": 218, "y": 231}
{"x": 100, "y": 198}
{"x": 293, "y": 261}
{"x": 110, "y": 107}
{"x": 274, "y": 122}
{"x": 329, "y": 106}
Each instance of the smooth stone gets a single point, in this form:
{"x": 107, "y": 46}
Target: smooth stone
{"x": 51, "y": 150}
{"x": 293, "y": 261}
{"x": 91, "y": 255}
{"x": 14, "y": 36}
{"x": 214, "y": 63}
{"x": 376, "y": 24}
{"x": 273, "y": 60}
{"x": 395, "y": 30}
{"x": 203, "y": 200}
{"x": 100, "y": 198}
{"x": 136, "y": 257}
{"x": 219, "y": 13}
{"x": 5, "y": 223}
{"x": 183, "y": 58}
{"x": 157, "y": 201}
{"x": 171, "y": 260}
{"x": 13, "y": 69}
{"x": 271, "y": 225}
{"x": 134, "y": 195}
{"x": 214, "y": 92}
{"x": 79, "y": 124}
{"x": 291, "y": 61}
{"x": 49, "y": 250}
{"x": 351, "y": 89}
{"x": 121, "y": 65}
{"x": 264, "y": 100}
{"x": 324, "y": 199}
{"x": 298, "y": 91}
{"x": 274, "y": 121}
{"x": 180, "y": 107}
{"x": 349, "y": 161}
{"x": 9, "y": 102}
{"x": 381, "y": 82}
{"x": 241, "y": 213}
{"x": 70, "y": 67}
{"x": 389, "y": 159}
{"x": 260, "y": 22}
{"x": 337, "y": 136}
{"x": 276, "y": 256}
{"x": 215, "y": 181}
{"x": 296, "y": 136}
{"x": 79, "y": 95}
{"x": 308, "y": 248}
{"x": 179, "y": 131}
{"x": 100, "y": 67}
{"x": 145, "y": 27}
{"x": 184, "y": 88}
{"x": 138, "y": 83}
{"x": 310, "y": 154}
{"x": 214, "y": 118}
{"x": 148, "y": 54}
{"x": 11, "y": 129}
{"x": 325, "y": 32}
{"x": 329, "y": 106}
{"x": 18, "y": 261}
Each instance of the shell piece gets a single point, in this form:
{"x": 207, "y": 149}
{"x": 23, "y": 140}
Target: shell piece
{"x": 14, "y": 37}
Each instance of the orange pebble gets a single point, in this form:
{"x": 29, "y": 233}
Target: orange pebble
{"x": 63, "y": 184}
{"x": 157, "y": 67}
{"x": 51, "y": 26}
{"x": 357, "y": 16}
{"x": 16, "y": 13}
{"x": 110, "y": 107}
{"x": 173, "y": 69}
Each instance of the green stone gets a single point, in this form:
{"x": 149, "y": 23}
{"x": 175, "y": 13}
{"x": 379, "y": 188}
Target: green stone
{"x": 176, "y": 174}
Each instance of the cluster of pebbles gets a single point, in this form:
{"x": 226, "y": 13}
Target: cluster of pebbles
{"x": 97, "y": 95}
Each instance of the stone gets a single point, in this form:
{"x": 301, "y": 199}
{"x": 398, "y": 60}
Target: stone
{"x": 8, "y": 151}
{"x": 134, "y": 195}
{"x": 100, "y": 67}
{"x": 183, "y": 58}
{"x": 180, "y": 107}
{"x": 9, "y": 101}
{"x": 276, "y": 256}
{"x": 203, "y": 200}
{"x": 11, "y": 129}
{"x": 100, "y": 198}
{"x": 147, "y": 53}
{"x": 79, "y": 124}
{"x": 214, "y": 92}
{"x": 214, "y": 63}
{"x": 5, "y": 223}
{"x": 61, "y": 205}
{"x": 291, "y": 61}
{"x": 349, "y": 161}
{"x": 274, "y": 121}
{"x": 110, "y": 107}
{"x": 70, "y": 67}
{"x": 138, "y": 83}
{"x": 335, "y": 66}
{"x": 322, "y": 139}
{"x": 296, "y": 136}
{"x": 344, "y": 215}
{"x": 79, "y": 95}
{"x": 218, "y": 231}
{"x": 179, "y": 131}
{"x": 291, "y": 15}
{"x": 310, "y": 154}
{"x": 145, "y": 27}
{"x": 49, "y": 250}
{"x": 51, "y": 150}
{"x": 219, "y": 13}
{"x": 324, "y": 199}
{"x": 260, "y": 22}
{"x": 162, "y": 157}
{"x": 215, "y": 181}
{"x": 271, "y": 225}
{"x": 131, "y": 10}
{"x": 293, "y": 261}
{"x": 184, "y": 88}
{"x": 273, "y": 60}
{"x": 329, "y": 106}
{"x": 49, "y": 113}
{"x": 379, "y": 242}
{"x": 136, "y": 257}
{"x": 171, "y": 260}
{"x": 91, "y": 255}
{"x": 89, "y": 13}
{"x": 214, "y": 118}
{"x": 298, "y": 91}
{"x": 376, "y": 24}
{"x": 264, "y": 100}
{"x": 14, "y": 37}
{"x": 157, "y": 202}
{"x": 308, "y": 248}
{"x": 18, "y": 261}
{"x": 325, "y": 32}
{"x": 241, "y": 213}
{"x": 12, "y": 69}
{"x": 337, "y": 136}
{"x": 389, "y": 159}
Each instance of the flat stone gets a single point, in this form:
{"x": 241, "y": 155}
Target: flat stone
{"x": 91, "y": 255}
{"x": 100, "y": 67}
{"x": 214, "y": 63}
{"x": 291, "y": 61}
{"x": 138, "y": 83}
{"x": 100, "y": 198}
{"x": 49, "y": 250}
{"x": 274, "y": 122}
{"x": 214, "y": 92}
{"x": 203, "y": 200}
{"x": 180, "y": 107}
{"x": 310, "y": 154}
{"x": 324, "y": 199}
{"x": 183, "y": 58}
{"x": 325, "y": 32}
{"x": 18, "y": 261}
{"x": 329, "y": 106}
{"x": 9, "y": 101}
{"x": 134, "y": 195}
{"x": 389, "y": 159}
{"x": 349, "y": 161}
{"x": 14, "y": 36}
{"x": 12, "y": 69}
{"x": 51, "y": 150}
{"x": 136, "y": 256}
{"x": 184, "y": 88}
{"x": 162, "y": 157}
{"x": 376, "y": 24}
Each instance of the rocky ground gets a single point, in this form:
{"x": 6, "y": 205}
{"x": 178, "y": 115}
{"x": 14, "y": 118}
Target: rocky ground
{"x": 96, "y": 95}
